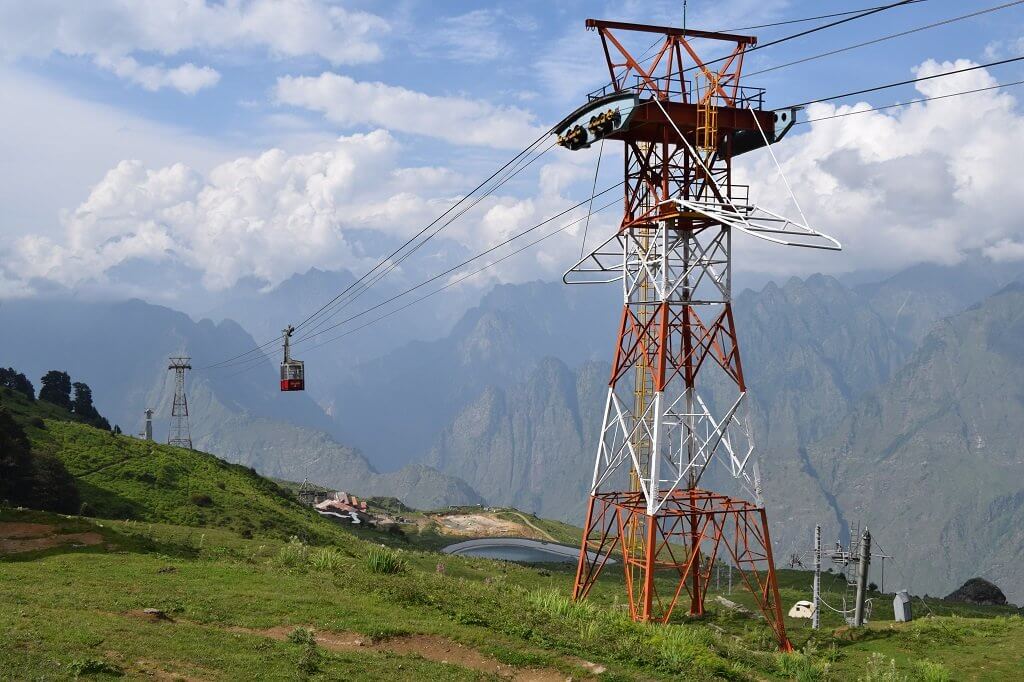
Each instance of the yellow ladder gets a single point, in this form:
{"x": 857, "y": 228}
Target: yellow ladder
{"x": 707, "y": 118}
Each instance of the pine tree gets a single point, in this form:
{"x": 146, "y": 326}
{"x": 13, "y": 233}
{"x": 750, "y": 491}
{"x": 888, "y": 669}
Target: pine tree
{"x": 16, "y": 381}
{"x": 57, "y": 389}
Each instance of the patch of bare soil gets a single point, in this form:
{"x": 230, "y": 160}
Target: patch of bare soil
{"x": 430, "y": 647}
{"x": 480, "y": 525}
{"x": 28, "y": 537}
{"x": 160, "y": 670}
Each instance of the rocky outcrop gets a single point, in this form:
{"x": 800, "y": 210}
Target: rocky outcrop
{"x": 978, "y": 591}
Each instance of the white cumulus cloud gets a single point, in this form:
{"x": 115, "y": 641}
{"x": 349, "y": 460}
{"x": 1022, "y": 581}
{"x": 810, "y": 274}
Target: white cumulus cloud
{"x": 929, "y": 182}
{"x": 115, "y": 33}
{"x": 187, "y": 78}
{"x": 348, "y": 102}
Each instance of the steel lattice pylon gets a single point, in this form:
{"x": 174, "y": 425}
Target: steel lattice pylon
{"x": 662, "y": 426}
{"x": 179, "y": 434}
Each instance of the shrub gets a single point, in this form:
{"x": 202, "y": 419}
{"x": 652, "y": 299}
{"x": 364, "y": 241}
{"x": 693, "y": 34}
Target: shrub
{"x": 801, "y": 667}
{"x": 301, "y": 636}
{"x": 93, "y": 666}
{"x": 201, "y": 500}
{"x": 293, "y": 554}
{"x": 384, "y": 560}
{"x": 326, "y": 559}
{"x": 879, "y": 669}
{"x": 927, "y": 671}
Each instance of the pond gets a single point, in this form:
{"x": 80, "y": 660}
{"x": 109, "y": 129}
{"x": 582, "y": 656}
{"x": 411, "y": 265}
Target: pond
{"x": 520, "y": 550}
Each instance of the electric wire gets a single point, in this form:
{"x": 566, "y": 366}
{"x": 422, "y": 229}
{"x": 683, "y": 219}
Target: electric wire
{"x": 806, "y": 19}
{"x": 427, "y": 227}
{"x": 446, "y": 286}
{"x": 481, "y": 254}
{"x": 467, "y": 276}
{"x": 909, "y": 102}
{"x": 860, "y": 14}
{"x": 527, "y": 151}
{"x": 461, "y": 265}
{"x": 905, "y": 82}
{"x": 341, "y": 306}
{"x": 882, "y": 39}
{"x": 590, "y": 207}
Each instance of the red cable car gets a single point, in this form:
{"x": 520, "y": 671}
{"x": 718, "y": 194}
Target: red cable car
{"x": 293, "y": 372}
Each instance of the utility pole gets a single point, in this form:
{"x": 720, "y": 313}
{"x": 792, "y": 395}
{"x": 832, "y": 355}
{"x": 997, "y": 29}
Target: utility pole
{"x": 863, "y": 564}
{"x": 816, "y": 616}
{"x": 180, "y": 433}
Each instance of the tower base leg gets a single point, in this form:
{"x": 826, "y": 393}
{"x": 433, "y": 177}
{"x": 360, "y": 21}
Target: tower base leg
{"x": 672, "y": 553}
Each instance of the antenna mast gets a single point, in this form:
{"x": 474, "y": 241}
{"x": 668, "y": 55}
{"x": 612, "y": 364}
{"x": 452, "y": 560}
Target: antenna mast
{"x": 180, "y": 433}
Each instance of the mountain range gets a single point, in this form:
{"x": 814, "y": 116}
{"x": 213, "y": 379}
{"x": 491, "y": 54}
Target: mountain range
{"x": 890, "y": 401}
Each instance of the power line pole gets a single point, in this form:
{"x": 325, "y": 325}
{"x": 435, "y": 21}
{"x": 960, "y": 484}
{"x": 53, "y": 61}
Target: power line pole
{"x": 180, "y": 433}
{"x": 863, "y": 564}
{"x": 816, "y": 616}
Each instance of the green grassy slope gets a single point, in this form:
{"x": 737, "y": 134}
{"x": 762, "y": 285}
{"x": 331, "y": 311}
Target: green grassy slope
{"x": 233, "y": 585}
{"x": 121, "y": 477}
{"x": 66, "y": 607}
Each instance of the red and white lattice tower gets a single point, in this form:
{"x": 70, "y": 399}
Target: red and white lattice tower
{"x": 682, "y": 122}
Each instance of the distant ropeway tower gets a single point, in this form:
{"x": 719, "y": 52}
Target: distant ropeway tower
{"x": 682, "y": 121}
{"x": 180, "y": 433}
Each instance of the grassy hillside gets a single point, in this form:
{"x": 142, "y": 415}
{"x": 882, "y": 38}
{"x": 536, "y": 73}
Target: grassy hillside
{"x": 243, "y": 578}
{"x": 230, "y": 605}
{"x": 120, "y": 477}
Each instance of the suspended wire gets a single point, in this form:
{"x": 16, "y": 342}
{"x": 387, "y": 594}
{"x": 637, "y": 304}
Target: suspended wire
{"x": 409, "y": 241}
{"x": 882, "y": 39}
{"x": 801, "y": 34}
{"x": 906, "y": 82}
{"x": 392, "y": 266}
{"x": 806, "y": 19}
{"x": 467, "y": 276}
{"x": 590, "y": 207}
{"x": 454, "y": 282}
{"x": 481, "y": 254}
{"x": 527, "y": 151}
{"x": 454, "y": 268}
{"x": 908, "y": 103}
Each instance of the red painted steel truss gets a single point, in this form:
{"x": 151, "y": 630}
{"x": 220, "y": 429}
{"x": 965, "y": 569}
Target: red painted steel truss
{"x": 676, "y": 342}
{"x": 684, "y": 540}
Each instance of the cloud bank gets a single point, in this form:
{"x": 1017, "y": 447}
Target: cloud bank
{"x": 930, "y": 182}
{"x": 112, "y": 33}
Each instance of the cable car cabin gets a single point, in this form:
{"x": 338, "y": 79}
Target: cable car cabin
{"x": 293, "y": 376}
{"x": 293, "y": 372}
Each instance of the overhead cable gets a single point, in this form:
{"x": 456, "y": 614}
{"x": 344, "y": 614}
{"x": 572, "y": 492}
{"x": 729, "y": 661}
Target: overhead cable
{"x": 454, "y": 282}
{"x": 906, "y": 82}
{"x": 909, "y": 102}
{"x": 526, "y": 151}
{"x": 806, "y": 19}
{"x": 882, "y": 39}
{"x": 436, "y": 220}
{"x": 392, "y": 266}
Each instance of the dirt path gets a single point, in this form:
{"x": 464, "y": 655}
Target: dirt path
{"x": 548, "y": 536}
{"x": 430, "y": 647}
{"x": 28, "y": 537}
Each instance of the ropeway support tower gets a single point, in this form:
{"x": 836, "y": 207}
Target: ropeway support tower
{"x": 179, "y": 434}
{"x": 682, "y": 122}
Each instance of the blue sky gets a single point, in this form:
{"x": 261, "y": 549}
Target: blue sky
{"x": 128, "y": 117}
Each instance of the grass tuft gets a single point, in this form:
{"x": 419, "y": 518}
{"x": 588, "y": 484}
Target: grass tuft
{"x": 385, "y": 561}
